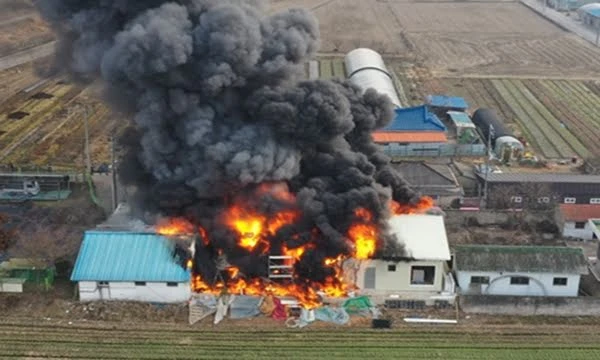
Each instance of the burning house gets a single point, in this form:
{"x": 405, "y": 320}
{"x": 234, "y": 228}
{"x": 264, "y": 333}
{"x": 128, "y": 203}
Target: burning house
{"x": 226, "y": 141}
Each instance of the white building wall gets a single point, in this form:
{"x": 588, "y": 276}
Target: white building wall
{"x": 540, "y": 284}
{"x": 569, "y": 230}
{"x": 151, "y": 292}
{"x": 388, "y": 282}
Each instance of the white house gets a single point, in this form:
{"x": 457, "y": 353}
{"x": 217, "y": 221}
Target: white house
{"x": 130, "y": 266}
{"x": 574, "y": 220}
{"x": 420, "y": 271}
{"x": 519, "y": 270}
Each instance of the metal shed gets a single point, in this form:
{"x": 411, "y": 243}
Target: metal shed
{"x": 365, "y": 68}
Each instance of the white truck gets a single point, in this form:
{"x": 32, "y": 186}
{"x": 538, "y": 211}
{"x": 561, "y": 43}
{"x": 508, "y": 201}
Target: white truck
{"x": 28, "y": 188}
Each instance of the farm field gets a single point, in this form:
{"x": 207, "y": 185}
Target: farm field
{"x": 454, "y": 38}
{"x": 166, "y": 341}
{"x": 42, "y": 124}
{"x": 555, "y": 116}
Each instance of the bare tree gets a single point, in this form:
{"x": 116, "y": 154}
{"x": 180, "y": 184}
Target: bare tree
{"x": 6, "y": 235}
{"x": 47, "y": 244}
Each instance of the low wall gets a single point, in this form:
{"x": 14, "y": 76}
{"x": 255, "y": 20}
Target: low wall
{"x": 520, "y": 305}
{"x": 491, "y": 217}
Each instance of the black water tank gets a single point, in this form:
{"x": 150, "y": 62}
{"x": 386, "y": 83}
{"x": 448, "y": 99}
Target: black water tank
{"x": 483, "y": 118}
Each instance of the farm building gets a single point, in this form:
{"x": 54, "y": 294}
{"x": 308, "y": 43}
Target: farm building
{"x": 504, "y": 145}
{"x": 130, "y": 266}
{"x": 549, "y": 188}
{"x": 434, "y": 180}
{"x": 576, "y": 220}
{"x": 465, "y": 129}
{"x": 589, "y": 14}
{"x": 568, "y": 5}
{"x": 421, "y": 272}
{"x": 519, "y": 270}
{"x": 446, "y": 103}
{"x": 365, "y": 68}
{"x": 16, "y": 273}
{"x": 34, "y": 186}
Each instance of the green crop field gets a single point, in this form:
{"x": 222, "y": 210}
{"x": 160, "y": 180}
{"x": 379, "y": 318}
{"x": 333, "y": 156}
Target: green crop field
{"x": 142, "y": 341}
{"x": 557, "y": 117}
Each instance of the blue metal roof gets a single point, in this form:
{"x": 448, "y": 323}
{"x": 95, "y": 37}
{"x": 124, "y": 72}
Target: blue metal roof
{"x": 416, "y": 118}
{"x": 447, "y": 102}
{"x": 126, "y": 256}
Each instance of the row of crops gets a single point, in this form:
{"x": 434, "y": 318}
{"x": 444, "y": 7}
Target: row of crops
{"x": 558, "y": 117}
{"x": 139, "y": 342}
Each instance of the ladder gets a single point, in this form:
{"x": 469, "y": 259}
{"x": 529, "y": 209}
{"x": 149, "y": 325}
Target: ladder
{"x": 281, "y": 267}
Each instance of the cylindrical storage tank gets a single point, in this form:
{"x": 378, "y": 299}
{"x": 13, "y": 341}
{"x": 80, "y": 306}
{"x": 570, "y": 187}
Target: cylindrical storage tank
{"x": 365, "y": 68}
{"x": 483, "y": 118}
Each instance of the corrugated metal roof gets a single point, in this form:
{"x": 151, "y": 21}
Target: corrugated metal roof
{"x": 126, "y": 256}
{"x": 542, "y": 178}
{"x": 409, "y": 137}
{"x": 424, "y": 236}
{"x": 452, "y": 102}
{"x": 579, "y": 212}
{"x": 416, "y": 118}
{"x": 461, "y": 119}
{"x": 365, "y": 68}
{"x": 592, "y": 9}
{"x": 555, "y": 259}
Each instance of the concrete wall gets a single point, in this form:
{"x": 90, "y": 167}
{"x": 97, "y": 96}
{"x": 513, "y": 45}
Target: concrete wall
{"x": 151, "y": 292}
{"x": 491, "y": 217}
{"x": 569, "y": 230}
{"x": 540, "y": 284}
{"x": 389, "y": 282}
{"x": 514, "y": 305}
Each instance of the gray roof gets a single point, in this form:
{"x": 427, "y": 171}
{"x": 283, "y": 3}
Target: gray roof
{"x": 429, "y": 179}
{"x": 541, "y": 178}
{"x": 555, "y": 259}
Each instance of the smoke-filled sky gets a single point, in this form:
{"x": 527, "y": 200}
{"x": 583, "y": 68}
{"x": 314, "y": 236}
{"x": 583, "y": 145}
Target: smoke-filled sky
{"x": 216, "y": 108}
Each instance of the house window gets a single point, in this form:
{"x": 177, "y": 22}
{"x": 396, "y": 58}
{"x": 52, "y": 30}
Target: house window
{"x": 172, "y": 284}
{"x": 519, "y": 280}
{"x": 580, "y": 225}
{"x": 595, "y": 201}
{"x": 392, "y": 267}
{"x": 516, "y": 199}
{"x": 559, "y": 281}
{"x": 570, "y": 200}
{"x": 544, "y": 200}
{"x": 103, "y": 283}
{"x": 140, "y": 283}
{"x": 480, "y": 279}
{"x": 422, "y": 275}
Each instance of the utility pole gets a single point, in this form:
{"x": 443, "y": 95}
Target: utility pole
{"x": 113, "y": 173}
{"x": 487, "y": 165}
{"x": 88, "y": 161}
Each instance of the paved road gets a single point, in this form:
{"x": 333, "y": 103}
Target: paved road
{"x": 16, "y": 19}
{"x": 103, "y": 185}
{"x": 27, "y": 55}
{"x": 568, "y": 22}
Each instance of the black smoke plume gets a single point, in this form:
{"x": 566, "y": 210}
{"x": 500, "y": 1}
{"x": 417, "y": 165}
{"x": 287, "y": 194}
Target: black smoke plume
{"x": 217, "y": 109}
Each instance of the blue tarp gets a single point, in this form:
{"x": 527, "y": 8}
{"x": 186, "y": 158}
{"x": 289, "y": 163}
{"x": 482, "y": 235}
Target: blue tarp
{"x": 416, "y": 118}
{"x": 443, "y": 101}
{"x": 244, "y": 307}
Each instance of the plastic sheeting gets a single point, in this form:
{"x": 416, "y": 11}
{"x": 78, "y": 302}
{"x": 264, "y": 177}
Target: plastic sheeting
{"x": 243, "y": 307}
{"x": 333, "y": 315}
{"x": 356, "y": 305}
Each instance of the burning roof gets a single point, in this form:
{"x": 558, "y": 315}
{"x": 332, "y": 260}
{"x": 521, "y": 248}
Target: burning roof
{"x": 225, "y": 136}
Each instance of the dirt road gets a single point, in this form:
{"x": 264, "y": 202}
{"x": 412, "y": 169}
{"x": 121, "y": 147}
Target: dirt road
{"x": 26, "y": 56}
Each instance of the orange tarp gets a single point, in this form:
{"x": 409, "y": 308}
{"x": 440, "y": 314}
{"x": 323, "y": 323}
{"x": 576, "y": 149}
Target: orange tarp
{"x": 409, "y": 136}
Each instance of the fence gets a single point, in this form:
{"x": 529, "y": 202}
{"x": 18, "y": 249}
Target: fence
{"x": 434, "y": 150}
{"x": 542, "y": 305}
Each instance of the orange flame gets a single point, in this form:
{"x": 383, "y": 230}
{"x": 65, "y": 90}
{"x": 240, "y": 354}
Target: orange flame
{"x": 424, "y": 204}
{"x": 248, "y": 225}
{"x": 363, "y": 234}
{"x": 282, "y": 218}
{"x": 175, "y": 226}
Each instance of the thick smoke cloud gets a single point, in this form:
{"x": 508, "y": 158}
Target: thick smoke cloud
{"x": 217, "y": 108}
